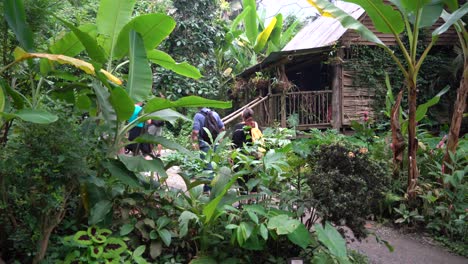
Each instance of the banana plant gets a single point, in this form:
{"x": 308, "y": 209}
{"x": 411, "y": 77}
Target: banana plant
{"x": 245, "y": 42}
{"x": 410, "y": 16}
{"x": 462, "y": 92}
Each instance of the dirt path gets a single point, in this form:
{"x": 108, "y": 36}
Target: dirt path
{"x": 409, "y": 248}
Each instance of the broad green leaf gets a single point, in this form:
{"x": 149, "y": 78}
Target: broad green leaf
{"x": 158, "y": 103}
{"x": 430, "y": 13}
{"x": 122, "y": 104}
{"x": 83, "y": 102}
{"x": 111, "y": 18}
{"x": 69, "y": 44}
{"x": 62, "y": 59}
{"x": 165, "y": 60}
{"x": 165, "y": 236}
{"x": 118, "y": 170}
{"x": 327, "y": 9}
{"x": 300, "y": 236}
{"x": 239, "y": 18}
{"x": 283, "y": 224}
{"x": 140, "y": 77}
{"x": 140, "y": 164}
{"x": 422, "y": 109}
{"x": 167, "y": 115}
{"x": 184, "y": 220}
{"x": 219, "y": 182}
{"x": 99, "y": 211}
{"x": 288, "y": 33}
{"x": 246, "y": 230}
{"x": 155, "y": 249}
{"x": 384, "y": 17}
{"x": 16, "y": 19}
{"x": 94, "y": 51}
{"x": 263, "y": 37}
{"x": 331, "y": 239}
{"x": 153, "y": 28}
{"x": 126, "y": 229}
{"x": 107, "y": 111}
{"x": 36, "y": 116}
{"x": 210, "y": 208}
{"x": 18, "y": 99}
{"x": 139, "y": 251}
{"x": 451, "y": 4}
{"x": 414, "y": 5}
{"x": 250, "y": 22}
{"x": 253, "y": 217}
{"x": 276, "y": 33}
{"x": 264, "y": 232}
{"x": 166, "y": 143}
{"x": 451, "y": 19}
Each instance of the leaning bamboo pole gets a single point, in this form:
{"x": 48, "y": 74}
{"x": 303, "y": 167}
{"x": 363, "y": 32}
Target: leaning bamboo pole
{"x": 229, "y": 118}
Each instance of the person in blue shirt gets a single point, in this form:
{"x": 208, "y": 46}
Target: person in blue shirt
{"x": 198, "y": 122}
{"x": 197, "y": 142}
{"x": 136, "y": 131}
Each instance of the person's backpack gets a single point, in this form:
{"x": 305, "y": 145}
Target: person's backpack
{"x": 212, "y": 125}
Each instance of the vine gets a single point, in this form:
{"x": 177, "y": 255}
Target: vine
{"x": 371, "y": 63}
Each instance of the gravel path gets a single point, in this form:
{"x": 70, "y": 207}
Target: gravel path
{"x": 411, "y": 248}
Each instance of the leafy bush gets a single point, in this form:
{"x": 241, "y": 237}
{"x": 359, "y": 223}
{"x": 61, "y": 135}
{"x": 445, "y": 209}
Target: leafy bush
{"x": 39, "y": 171}
{"x": 346, "y": 185}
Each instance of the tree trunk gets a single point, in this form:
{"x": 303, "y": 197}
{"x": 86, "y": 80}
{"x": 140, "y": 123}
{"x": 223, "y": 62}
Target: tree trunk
{"x": 413, "y": 172}
{"x": 398, "y": 141}
{"x": 457, "y": 118}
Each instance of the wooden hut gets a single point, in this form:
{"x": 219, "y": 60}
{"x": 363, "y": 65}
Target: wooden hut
{"x": 314, "y": 63}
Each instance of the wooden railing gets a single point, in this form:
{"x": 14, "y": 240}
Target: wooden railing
{"x": 313, "y": 108}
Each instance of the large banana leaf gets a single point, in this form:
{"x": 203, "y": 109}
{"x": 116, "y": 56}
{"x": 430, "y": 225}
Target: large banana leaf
{"x": 122, "y": 103}
{"x": 107, "y": 110}
{"x": 288, "y": 33}
{"x": 18, "y": 99}
{"x": 111, "y": 18}
{"x": 276, "y": 33}
{"x": 250, "y": 23}
{"x": 166, "y": 61}
{"x": 158, "y": 103}
{"x": 384, "y": 17}
{"x": 69, "y": 44}
{"x": 95, "y": 52}
{"x": 16, "y": 19}
{"x": 263, "y": 37}
{"x": 429, "y": 10}
{"x": 36, "y": 116}
{"x": 451, "y": 19}
{"x": 21, "y": 55}
{"x": 153, "y": 28}
{"x": 240, "y": 17}
{"x": 168, "y": 115}
{"x": 140, "y": 77}
{"x": 330, "y": 10}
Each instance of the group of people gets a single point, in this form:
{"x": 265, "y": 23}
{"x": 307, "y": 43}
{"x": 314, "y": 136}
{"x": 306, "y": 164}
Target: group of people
{"x": 152, "y": 127}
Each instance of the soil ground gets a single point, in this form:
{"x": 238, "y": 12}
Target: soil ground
{"x": 408, "y": 248}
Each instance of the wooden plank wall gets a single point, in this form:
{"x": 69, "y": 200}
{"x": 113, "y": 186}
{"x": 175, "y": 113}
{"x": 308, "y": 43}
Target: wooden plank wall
{"x": 449, "y": 38}
{"x": 356, "y": 100}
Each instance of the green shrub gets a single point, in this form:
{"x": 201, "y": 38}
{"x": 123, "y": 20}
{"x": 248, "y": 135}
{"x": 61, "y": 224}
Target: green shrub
{"x": 346, "y": 185}
{"x": 39, "y": 171}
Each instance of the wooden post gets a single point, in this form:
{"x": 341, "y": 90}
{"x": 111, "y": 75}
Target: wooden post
{"x": 283, "y": 108}
{"x": 337, "y": 88}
